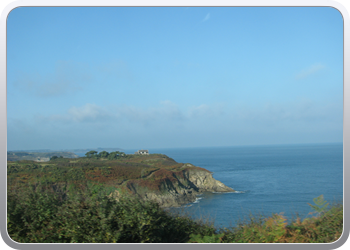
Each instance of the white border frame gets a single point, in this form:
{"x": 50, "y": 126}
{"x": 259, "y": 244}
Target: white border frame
{"x": 171, "y": 3}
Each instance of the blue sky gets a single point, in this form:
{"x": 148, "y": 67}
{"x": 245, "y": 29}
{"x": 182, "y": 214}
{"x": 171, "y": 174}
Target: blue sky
{"x": 149, "y": 77}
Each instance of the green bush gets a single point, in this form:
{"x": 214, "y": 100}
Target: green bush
{"x": 325, "y": 227}
{"x": 44, "y": 214}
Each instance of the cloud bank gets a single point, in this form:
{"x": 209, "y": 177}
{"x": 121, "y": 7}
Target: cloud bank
{"x": 167, "y": 113}
{"x": 168, "y": 124}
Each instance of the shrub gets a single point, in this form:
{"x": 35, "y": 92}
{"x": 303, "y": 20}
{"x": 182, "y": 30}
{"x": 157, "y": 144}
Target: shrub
{"x": 325, "y": 227}
{"x": 43, "y": 214}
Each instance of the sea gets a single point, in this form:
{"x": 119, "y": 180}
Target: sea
{"x": 266, "y": 179}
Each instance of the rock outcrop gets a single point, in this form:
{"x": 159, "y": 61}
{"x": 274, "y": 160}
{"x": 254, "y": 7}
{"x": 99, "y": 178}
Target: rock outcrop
{"x": 180, "y": 187}
{"x": 205, "y": 182}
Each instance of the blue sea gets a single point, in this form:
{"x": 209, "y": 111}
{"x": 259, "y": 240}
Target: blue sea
{"x": 268, "y": 179}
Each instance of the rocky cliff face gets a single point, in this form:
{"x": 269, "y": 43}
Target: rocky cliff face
{"x": 205, "y": 182}
{"x": 181, "y": 187}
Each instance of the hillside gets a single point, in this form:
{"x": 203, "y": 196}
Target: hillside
{"x": 150, "y": 177}
{"x": 38, "y": 156}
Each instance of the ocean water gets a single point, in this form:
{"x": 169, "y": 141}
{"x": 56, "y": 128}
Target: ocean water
{"x": 267, "y": 179}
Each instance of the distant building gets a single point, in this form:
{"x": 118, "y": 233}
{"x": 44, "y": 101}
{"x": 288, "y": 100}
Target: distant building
{"x": 42, "y": 159}
{"x": 142, "y": 152}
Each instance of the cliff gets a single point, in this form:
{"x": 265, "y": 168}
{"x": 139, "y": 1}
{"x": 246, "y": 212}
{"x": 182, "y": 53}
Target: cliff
{"x": 176, "y": 188}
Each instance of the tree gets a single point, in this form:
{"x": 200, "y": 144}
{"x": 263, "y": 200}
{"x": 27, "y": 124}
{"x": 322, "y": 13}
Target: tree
{"x": 53, "y": 157}
{"x": 112, "y": 156}
{"x": 91, "y": 153}
{"x": 103, "y": 154}
{"x": 116, "y": 155}
{"x": 120, "y": 153}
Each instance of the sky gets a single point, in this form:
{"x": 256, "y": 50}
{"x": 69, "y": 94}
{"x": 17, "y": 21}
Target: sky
{"x": 165, "y": 77}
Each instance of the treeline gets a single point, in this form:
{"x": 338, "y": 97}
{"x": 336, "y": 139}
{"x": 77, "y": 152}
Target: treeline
{"x": 103, "y": 154}
{"x": 34, "y": 156}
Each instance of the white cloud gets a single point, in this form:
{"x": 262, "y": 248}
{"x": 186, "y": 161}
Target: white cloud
{"x": 205, "y": 111}
{"x": 168, "y": 116}
{"x": 206, "y": 18}
{"x": 164, "y": 113}
{"x": 170, "y": 111}
{"x": 309, "y": 71}
{"x": 300, "y": 111}
{"x": 88, "y": 112}
{"x": 168, "y": 123}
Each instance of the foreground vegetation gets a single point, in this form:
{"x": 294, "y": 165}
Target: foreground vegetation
{"x": 76, "y": 201}
{"x": 87, "y": 214}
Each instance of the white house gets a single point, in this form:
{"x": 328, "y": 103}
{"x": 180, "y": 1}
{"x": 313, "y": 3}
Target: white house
{"x": 142, "y": 152}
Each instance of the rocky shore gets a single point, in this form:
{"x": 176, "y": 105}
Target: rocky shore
{"x": 182, "y": 187}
